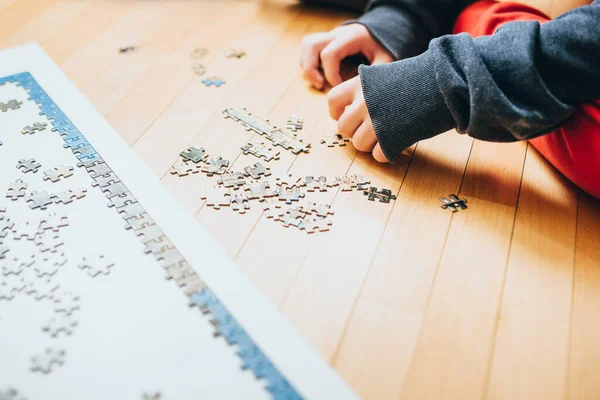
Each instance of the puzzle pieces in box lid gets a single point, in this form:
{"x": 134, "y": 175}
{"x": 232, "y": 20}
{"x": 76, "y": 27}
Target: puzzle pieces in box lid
{"x": 257, "y": 171}
{"x": 96, "y": 264}
{"x": 29, "y": 165}
{"x": 67, "y": 303}
{"x": 216, "y": 166}
{"x": 58, "y": 172}
{"x": 195, "y": 155}
{"x": 40, "y": 200}
{"x": 60, "y": 324}
{"x": 70, "y": 195}
{"x": 16, "y": 189}
{"x": 48, "y": 360}
{"x": 36, "y": 127}
{"x": 17, "y": 264}
{"x": 217, "y": 197}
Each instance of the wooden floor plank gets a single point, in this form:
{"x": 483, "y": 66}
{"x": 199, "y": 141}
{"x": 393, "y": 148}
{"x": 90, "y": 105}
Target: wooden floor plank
{"x": 585, "y": 322}
{"x": 464, "y": 304}
{"x": 46, "y": 24}
{"x": 379, "y": 341}
{"x": 531, "y": 351}
{"x": 97, "y": 17}
{"x": 17, "y": 13}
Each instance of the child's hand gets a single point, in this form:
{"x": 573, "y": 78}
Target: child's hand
{"x": 347, "y": 106}
{"x": 328, "y": 49}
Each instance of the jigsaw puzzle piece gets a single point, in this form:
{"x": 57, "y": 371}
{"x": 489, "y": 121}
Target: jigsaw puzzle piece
{"x": 217, "y": 197}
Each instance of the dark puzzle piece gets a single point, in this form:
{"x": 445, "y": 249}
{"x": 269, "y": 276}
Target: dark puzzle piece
{"x": 36, "y": 127}
{"x": 453, "y": 203}
{"x": 384, "y": 195}
{"x": 10, "y": 105}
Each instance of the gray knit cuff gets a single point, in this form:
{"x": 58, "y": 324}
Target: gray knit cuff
{"x": 394, "y": 30}
{"x": 405, "y": 103}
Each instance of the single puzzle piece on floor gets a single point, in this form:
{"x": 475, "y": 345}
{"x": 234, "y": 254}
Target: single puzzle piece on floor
{"x": 16, "y": 189}
{"x": 235, "y": 53}
{"x": 16, "y": 265}
{"x": 50, "y": 264}
{"x": 239, "y": 202}
{"x": 313, "y": 184}
{"x": 96, "y": 264}
{"x": 261, "y": 150}
{"x": 29, "y": 165}
{"x": 313, "y": 224}
{"x": 195, "y": 155}
{"x": 40, "y": 200}
{"x": 184, "y": 168}
{"x": 10, "y": 105}
{"x": 70, "y": 195}
{"x": 213, "y": 81}
{"x": 257, "y": 171}
{"x": 288, "y": 219}
{"x": 217, "y": 197}
{"x": 453, "y": 203}
{"x": 47, "y": 361}
{"x": 335, "y": 140}
{"x": 384, "y": 195}
{"x": 320, "y": 209}
{"x": 36, "y": 127}
{"x": 295, "y": 123}
{"x": 259, "y": 190}
{"x": 26, "y": 230}
{"x": 216, "y": 166}
{"x": 289, "y": 180}
{"x": 41, "y": 289}
{"x": 232, "y": 180}
{"x": 60, "y": 324}
{"x": 54, "y": 221}
{"x": 58, "y": 172}
{"x": 67, "y": 303}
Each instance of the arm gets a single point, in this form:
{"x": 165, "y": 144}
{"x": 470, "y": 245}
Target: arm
{"x": 405, "y": 27}
{"x": 521, "y": 82}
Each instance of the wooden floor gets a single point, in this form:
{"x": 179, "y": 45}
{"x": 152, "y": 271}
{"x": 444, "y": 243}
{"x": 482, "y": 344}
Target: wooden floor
{"x": 406, "y": 300}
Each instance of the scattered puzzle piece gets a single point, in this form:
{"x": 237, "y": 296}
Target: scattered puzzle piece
{"x": 67, "y": 303}
{"x": 257, "y": 171}
{"x": 315, "y": 184}
{"x": 60, "y": 324}
{"x": 50, "y": 264}
{"x": 39, "y": 200}
{"x": 194, "y": 154}
{"x": 335, "y": 140}
{"x": 58, "y": 172}
{"x": 259, "y": 190}
{"x": 184, "y": 168}
{"x": 54, "y": 221}
{"x": 68, "y": 196}
{"x": 350, "y": 182}
{"x": 96, "y": 264}
{"x": 26, "y": 229}
{"x": 239, "y": 202}
{"x": 36, "y": 127}
{"x": 384, "y": 195}
{"x": 47, "y": 361}
{"x": 295, "y": 123}
{"x": 10, "y": 105}
{"x": 6, "y": 225}
{"x": 29, "y": 165}
{"x": 272, "y": 209}
{"x": 213, "y": 81}
{"x": 41, "y": 289}
{"x": 232, "y": 180}
{"x": 314, "y": 224}
{"x": 235, "y": 53}
{"x": 16, "y": 265}
{"x": 453, "y": 203}
{"x": 261, "y": 150}
{"x": 8, "y": 291}
{"x": 217, "y": 197}
{"x": 289, "y": 194}
{"x": 216, "y": 166}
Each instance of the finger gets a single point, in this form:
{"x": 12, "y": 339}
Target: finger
{"x": 350, "y": 120}
{"x": 331, "y": 56}
{"x": 364, "y": 138}
{"x": 382, "y": 58}
{"x": 338, "y": 98}
{"x": 309, "y": 57}
{"x": 378, "y": 154}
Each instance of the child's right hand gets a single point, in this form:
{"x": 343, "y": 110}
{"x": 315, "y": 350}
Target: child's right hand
{"x": 328, "y": 49}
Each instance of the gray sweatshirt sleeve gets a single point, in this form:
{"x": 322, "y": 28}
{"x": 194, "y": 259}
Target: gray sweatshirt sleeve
{"x": 520, "y": 83}
{"x": 405, "y": 27}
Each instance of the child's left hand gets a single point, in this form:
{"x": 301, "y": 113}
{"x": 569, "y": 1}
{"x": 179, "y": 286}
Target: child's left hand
{"x": 347, "y": 106}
